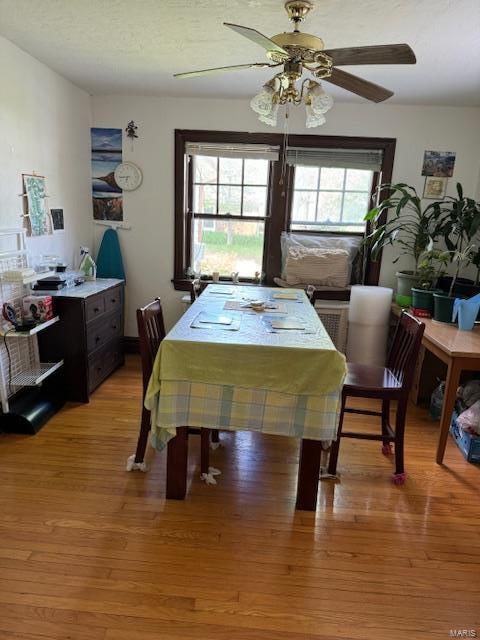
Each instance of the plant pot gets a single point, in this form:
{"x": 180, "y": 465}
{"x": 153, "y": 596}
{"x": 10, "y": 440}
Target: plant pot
{"x": 423, "y": 299}
{"x": 443, "y": 307}
{"x": 405, "y": 281}
{"x": 464, "y": 287}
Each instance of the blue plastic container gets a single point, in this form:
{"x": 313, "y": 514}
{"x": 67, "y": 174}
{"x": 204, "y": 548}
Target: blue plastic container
{"x": 467, "y": 311}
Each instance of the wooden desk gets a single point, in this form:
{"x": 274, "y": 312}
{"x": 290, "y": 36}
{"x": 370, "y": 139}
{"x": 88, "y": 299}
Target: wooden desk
{"x": 460, "y": 351}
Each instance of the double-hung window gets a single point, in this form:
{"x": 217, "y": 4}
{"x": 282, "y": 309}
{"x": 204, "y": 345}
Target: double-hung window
{"x": 332, "y": 189}
{"x": 228, "y": 196}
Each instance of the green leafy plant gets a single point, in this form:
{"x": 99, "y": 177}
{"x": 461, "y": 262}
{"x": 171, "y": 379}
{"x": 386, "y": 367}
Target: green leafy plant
{"x": 431, "y": 266}
{"x": 475, "y": 260}
{"x": 410, "y": 227}
{"x": 460, "y": 221}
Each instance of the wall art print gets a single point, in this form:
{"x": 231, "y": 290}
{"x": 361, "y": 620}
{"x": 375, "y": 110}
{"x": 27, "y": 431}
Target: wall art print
{"x": 107, "y": 196}
{"x": 34, "y": 195}
{"x": 438, "y": 163}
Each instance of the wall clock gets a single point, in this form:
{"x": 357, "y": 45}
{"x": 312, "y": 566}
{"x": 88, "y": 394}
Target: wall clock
{"x": 128, "y": 176}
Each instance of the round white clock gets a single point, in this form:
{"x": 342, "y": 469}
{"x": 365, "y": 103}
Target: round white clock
{"x": 128, "y": 176}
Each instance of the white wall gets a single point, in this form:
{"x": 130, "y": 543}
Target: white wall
{"x": 148, "y": 247}
{"x": 44, "y": 127}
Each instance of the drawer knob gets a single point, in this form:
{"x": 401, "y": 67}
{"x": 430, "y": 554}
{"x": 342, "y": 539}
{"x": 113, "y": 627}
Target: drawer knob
{"x": 113, "y": 300}
{"x": 114, "y": 326}
{"x": 97, "y": 338}
{"x": 96, "y": 310}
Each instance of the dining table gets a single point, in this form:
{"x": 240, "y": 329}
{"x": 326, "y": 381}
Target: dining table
{"x": 247, "y": 358}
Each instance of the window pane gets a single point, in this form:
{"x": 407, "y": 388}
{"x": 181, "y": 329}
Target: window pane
{"x": 229, "y": 199}
{"x": 306, "y": 177}
{"x": 254, "y": 201}
{"x": 358, "y": 180}
{"x": 303, "y": 207}
{"x": 230, "y": 171}
{"x": 205, "y": 198}
{"x": 355, "y": 206}
{"x": 235, "y": 245}
{"x": 205, "y": 169}
{"x": 256, "y": 172}
{"x": 329, "y": 206}
{"x": 331, "y": 178}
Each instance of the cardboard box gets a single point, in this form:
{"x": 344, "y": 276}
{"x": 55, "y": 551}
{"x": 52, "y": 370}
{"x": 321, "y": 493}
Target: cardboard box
{"x": 468, "y": 444}
{"x": 38, "y": 308}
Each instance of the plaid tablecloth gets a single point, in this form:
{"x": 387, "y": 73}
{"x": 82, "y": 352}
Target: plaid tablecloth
{"x": 238, "y": 409}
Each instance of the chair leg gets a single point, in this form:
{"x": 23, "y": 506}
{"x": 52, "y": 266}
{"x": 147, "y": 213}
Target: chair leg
{"x": 386, "y": 445}
{"x": 399, "y": 476}
{"x": 143, "y": 436}
{"x": 332, "y": 461}
{"x": 215, "y": 435}
{"x": 204, "y": 450}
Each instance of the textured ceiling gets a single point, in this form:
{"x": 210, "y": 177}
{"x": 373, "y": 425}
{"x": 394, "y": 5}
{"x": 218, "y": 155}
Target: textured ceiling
{"x": 134, "y": 46}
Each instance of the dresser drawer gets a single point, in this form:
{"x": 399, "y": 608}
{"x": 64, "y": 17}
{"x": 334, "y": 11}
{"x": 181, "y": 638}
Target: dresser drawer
{"x": 113, "y": 299}
{"x": 103, "y": 330}
{"x": 94, "y": 307}
{"x": 103, "y": 362}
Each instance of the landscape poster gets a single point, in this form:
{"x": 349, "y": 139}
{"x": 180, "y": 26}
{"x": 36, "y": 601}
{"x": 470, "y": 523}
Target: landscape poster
{"x": 438, "y": 163}
{"x": 106, "y": 155}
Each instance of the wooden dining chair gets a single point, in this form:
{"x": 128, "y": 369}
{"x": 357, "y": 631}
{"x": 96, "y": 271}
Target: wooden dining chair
{"x": 392, "y": 382}
{"x": 151, "y": 331}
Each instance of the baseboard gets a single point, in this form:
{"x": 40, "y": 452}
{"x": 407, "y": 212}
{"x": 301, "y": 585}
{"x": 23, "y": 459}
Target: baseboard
{"x": 131, "y": 344}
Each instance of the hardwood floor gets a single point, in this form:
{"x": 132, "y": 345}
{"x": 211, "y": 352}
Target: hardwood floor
{"x": 90, "y": 552}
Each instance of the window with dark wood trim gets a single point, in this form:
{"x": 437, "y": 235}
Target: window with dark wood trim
{"x": 279, "y": 198}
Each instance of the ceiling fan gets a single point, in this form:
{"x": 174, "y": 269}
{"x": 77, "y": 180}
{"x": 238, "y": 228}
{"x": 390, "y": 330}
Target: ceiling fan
{"x": 297, "y": 52}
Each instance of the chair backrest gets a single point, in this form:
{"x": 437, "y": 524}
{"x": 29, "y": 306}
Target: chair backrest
{"x": 404, "y": 350}
{"x": 195, "y": 290}
{"x": 151, "y": 331}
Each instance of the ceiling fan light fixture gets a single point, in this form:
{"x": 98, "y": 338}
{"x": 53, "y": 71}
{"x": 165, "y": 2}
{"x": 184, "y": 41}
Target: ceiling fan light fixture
{"x": 262, "y": 103}
{"x": 317, "y": 98}
{"x": 314, "y": 119}
{"x": 270, "y": 118}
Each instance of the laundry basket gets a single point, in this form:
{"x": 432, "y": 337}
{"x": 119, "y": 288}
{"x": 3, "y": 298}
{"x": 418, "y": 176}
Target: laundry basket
{"x": 334, "y": 317}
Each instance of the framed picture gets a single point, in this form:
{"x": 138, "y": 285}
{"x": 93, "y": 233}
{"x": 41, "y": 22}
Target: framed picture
{"x": 438, "y": 163}
{"x": 435, "y": 188}
{"x": 34, "y": 210}
{"x": 57, "y": 219}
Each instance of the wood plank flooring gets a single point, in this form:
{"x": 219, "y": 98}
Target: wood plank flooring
{"x": 90, "y": 552}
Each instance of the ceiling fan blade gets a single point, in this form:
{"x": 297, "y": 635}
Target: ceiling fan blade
{"x": 377, "y": 54}
{"x": 357, "y": 85}
{"x": 258, "y": 38}
{"x": 235, "y": 67}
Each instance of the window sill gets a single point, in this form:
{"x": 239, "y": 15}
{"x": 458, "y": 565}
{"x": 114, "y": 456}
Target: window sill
{"x": 183, "y": 284}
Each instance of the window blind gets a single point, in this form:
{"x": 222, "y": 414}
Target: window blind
{"x": 247, "y": 151}
{"x": 366, "y": 159}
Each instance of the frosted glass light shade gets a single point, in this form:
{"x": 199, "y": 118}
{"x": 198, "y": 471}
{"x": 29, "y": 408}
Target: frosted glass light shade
{"x": 262, "y": 103}
{"x": 319, "y": 100}
{"x": 314, "y": 119}
{"x": 271, "y": 117}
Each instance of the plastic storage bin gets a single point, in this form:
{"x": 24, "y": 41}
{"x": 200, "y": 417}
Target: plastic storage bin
{"x": 468, "y": 444}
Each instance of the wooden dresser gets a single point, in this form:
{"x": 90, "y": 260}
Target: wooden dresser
{"x": 89, "y": 336}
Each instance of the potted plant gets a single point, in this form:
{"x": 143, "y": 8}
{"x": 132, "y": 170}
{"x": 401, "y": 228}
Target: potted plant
{"x": 431, "y": 266}
{"x": 460, "y": 224}
{"x": 410, "y": 227}
{"x": 443, "y": 302}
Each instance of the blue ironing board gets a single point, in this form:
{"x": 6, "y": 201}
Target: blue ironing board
{"x": 109, "y": 258}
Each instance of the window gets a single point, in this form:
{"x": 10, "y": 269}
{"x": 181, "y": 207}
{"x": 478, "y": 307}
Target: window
{"x": 330, "y": 199}
{"x": 231, "y": 193}
{"x": 235, "y": 194}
